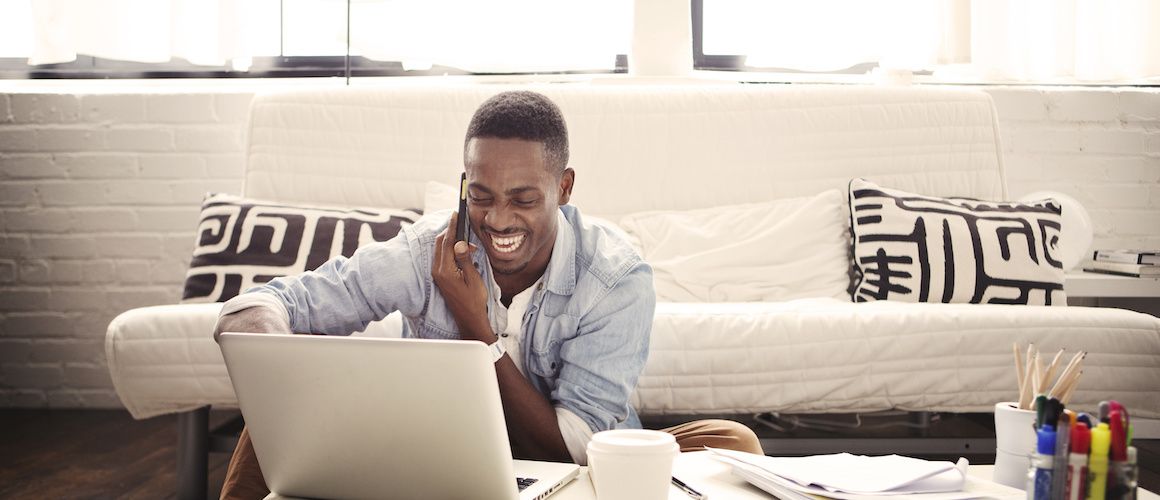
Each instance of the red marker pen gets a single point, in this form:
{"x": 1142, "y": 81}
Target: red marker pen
{"x": 1077, "y": 473}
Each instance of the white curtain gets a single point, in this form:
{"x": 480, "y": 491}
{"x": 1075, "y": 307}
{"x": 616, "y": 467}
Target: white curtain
{"x": 493, "y": 36}
{"x": 1044, "y": 40}
{"x": 989, "y": 40}
{"x": 200, "y": 31}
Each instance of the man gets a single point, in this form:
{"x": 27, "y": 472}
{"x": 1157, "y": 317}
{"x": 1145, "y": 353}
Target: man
{"x": 567, "y": 306}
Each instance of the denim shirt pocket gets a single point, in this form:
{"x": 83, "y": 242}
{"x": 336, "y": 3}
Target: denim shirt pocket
{"x": 550, "y": 334}
{"x": 438, "y": 323}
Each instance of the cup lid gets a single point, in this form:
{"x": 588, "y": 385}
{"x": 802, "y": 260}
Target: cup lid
{"x": 632, "y": 442}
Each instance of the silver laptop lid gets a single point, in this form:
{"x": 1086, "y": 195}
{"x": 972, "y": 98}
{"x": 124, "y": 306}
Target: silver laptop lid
{"x": 349, "y": 417}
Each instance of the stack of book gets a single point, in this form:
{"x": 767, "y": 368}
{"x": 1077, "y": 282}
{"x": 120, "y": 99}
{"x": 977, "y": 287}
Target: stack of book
{"x": 1138, "y": 263}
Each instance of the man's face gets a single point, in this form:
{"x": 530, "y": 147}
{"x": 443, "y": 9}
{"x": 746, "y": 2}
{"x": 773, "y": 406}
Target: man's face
{"x": 513, "y": 199}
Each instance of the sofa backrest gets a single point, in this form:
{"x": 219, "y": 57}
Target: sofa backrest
{"x": 634, "y": 147}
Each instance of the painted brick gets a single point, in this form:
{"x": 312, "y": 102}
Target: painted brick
{"x": 23, "y": 398}
{"x": 179, "y": 246}
{"x": 129, "y": 298}
{"x": 44, "y": 108}
{"x": 172, "y": 166}
{"x": 64, "y": 350}
{"x": 1121, "y": 141}
{"x": 30, "y": 299}
{"x": 5, "y": 108}
{"x": 1152, "y": 143}
{"x": 67, "y": 272}
{"x": 64, "y": 398}
{"x": 15, "y": 350}
{"x": 127, "y": 245}
{"x": 99, "y": 271}
{"x": 14, "y": 140}
{"x": 1021, "y": 167}
{"x": 36, "y": 220}
{"x": 168, "y": 219}
{"x": 143, "y": 139}
{"x": 167, "y": 271}
{"x": 134, "y": 272}
{"x": 76, "y": 298}
{"x": 1014, "y": 104}
{"x": 98, "y": 398}
{"x": 14, "y": 194}
{"x": 141, "y": 192}
{"x": 216, "y": 139}
{"x": 1142, "y": 169}
{"x": 32, "y": 376}
{"x": 34, "y": 272}
{"x": 1074, "y": 167}
{"x": 1036, "y": 139}
{"x": 1154, "y": 200}
{"x": 67, "y": 246}
{"x": 230, "y": 166}
{"x": 17, "y": 245}
{"x": 232, "y": 108}
{"x": 1082, "y": 105}
{"x": 98, "y": 166}
{"x": 73, "y": 193}
{"x": 70, "y": 139}
{"x": 90, "y": 220}
{"x": 1136, "y": 222}
{"x": 39, "y": 324}
{"x": 1117, "y": 195}
{"x": 180, "y": 108}
{"x": 30, "y": 166}
{"x": 123, "y": 108}
{"x": 7, "y": 271}
{"x": 1140, "y": 105}
{"x": 86, "y": 375}
{"x": 192, "y": 193}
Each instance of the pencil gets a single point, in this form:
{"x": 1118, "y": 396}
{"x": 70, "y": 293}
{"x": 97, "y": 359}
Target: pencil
{"x": 1018, "y": 366}
{"x": 1051, "y": 369}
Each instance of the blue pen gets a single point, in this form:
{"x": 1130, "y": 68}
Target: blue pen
{"x": 1039, "y": 477}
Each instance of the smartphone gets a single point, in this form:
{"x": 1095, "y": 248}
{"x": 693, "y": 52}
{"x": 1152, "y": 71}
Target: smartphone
{"x": 461, "y": 227}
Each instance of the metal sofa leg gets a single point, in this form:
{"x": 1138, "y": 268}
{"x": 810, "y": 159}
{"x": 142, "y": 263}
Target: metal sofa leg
{"x": 192, "y": 453}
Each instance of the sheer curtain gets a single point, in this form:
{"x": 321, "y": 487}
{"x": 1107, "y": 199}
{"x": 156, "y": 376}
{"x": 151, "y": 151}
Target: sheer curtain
{"x": 200, "y": 31}
{"x": 1091, "y": 40}
{"x": 1004, "y": 40}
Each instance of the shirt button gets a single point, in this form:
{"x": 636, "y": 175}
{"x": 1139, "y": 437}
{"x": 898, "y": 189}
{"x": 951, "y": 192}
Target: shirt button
{"x": 540, "y": 286}
{"x": 504, "y": 335}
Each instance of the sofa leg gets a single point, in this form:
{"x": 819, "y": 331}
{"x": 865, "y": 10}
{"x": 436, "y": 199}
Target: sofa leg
{"x": 192, "y": 453}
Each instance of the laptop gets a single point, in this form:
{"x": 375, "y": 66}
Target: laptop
{"x": 359, "y": 417}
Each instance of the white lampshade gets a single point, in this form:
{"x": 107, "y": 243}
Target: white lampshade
{"x": 1076, "y": 234}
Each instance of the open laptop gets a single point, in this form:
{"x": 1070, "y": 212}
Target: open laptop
{"x": 358, "y": 417}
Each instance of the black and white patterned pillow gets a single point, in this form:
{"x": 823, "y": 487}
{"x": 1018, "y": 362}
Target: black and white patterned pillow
{"x": 243, "y": 242}
{"x": 916, "y": 248}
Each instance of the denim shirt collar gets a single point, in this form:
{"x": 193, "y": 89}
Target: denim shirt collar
{"x": 561, "y": 272}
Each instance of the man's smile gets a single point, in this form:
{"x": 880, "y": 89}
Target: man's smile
{"x": 507, "y": 244}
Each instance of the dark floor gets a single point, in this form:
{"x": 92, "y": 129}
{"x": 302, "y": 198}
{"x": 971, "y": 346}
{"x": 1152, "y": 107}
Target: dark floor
{"x": 107, "y": 454}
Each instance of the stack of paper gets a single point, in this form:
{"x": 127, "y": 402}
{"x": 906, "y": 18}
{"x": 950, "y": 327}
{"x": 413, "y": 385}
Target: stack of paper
{"x": 851, "y": 477}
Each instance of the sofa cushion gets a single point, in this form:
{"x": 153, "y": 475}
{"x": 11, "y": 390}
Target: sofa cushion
{"x": 773, "y": 251}
{"x": 916, "y": 248}
{"x": 243, "y": 242}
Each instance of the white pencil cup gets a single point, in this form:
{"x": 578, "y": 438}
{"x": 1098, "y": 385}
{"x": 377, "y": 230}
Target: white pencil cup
{"x": 631, "y": 464}
{"x": 1014, "y": 444}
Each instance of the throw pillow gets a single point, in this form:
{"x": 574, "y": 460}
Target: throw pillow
{"x": 243, "y": 242}
{"x": 917, "y": 248}
{"x": 771, "y": 251}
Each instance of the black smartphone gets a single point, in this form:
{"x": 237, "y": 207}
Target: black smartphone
{"x": 461, "y": 227}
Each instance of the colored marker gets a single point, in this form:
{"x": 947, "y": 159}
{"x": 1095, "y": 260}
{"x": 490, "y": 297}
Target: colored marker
{"x": 1077, "y": 471}
{"x": 1042, "y": 461}
{"x": 1098, "y": 463}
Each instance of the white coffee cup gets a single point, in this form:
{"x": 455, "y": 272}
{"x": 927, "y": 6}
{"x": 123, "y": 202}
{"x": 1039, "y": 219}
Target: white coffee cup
{"x": 631, "y": 464}
{"x": 1014, "y": 443}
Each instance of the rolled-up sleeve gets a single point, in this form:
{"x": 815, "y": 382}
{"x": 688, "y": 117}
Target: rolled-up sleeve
{"x": 344, "y": 295}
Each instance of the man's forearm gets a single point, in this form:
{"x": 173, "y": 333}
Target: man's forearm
{"x": 533, "y": 429}
{"x": 257, "y": 319}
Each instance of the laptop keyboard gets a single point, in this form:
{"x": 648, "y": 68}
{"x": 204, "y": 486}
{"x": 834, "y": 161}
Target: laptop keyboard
{"x": 524, "y": 482}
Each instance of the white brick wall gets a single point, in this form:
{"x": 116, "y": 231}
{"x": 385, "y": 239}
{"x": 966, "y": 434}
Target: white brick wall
{"x": 99, "y": 194}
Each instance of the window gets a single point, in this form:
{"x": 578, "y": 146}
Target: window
{"x": 248, "y": 38}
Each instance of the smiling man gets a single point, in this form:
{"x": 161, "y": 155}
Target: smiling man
{"x": 565, "y": 303}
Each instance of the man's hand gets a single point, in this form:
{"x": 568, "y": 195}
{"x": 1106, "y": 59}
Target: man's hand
{"x": 461, "y": 284}
{"x": 256, "y": 319}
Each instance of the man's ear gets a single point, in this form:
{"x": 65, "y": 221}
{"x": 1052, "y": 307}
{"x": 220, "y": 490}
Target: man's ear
{"x": 566, "y": 180}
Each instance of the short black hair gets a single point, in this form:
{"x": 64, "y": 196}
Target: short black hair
{"x": 526, "y": 115}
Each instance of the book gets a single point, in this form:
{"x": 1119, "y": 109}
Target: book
{"x": 1136, "y": 270}
{"x": 1127, "y": 256}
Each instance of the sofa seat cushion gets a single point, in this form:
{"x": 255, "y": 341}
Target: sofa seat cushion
{"x": 804, "y": 356}
{"x": 833, "y": 356}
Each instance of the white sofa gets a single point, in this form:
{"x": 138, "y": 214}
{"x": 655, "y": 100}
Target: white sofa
{"x": 638, "y": 148}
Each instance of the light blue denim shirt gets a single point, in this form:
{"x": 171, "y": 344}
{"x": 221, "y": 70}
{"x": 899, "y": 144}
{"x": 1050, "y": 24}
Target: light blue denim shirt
{"x": 586, "y": 329}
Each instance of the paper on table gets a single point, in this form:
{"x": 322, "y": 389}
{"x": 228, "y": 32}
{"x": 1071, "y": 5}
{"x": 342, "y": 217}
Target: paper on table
{"x": 845, "y": 475}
